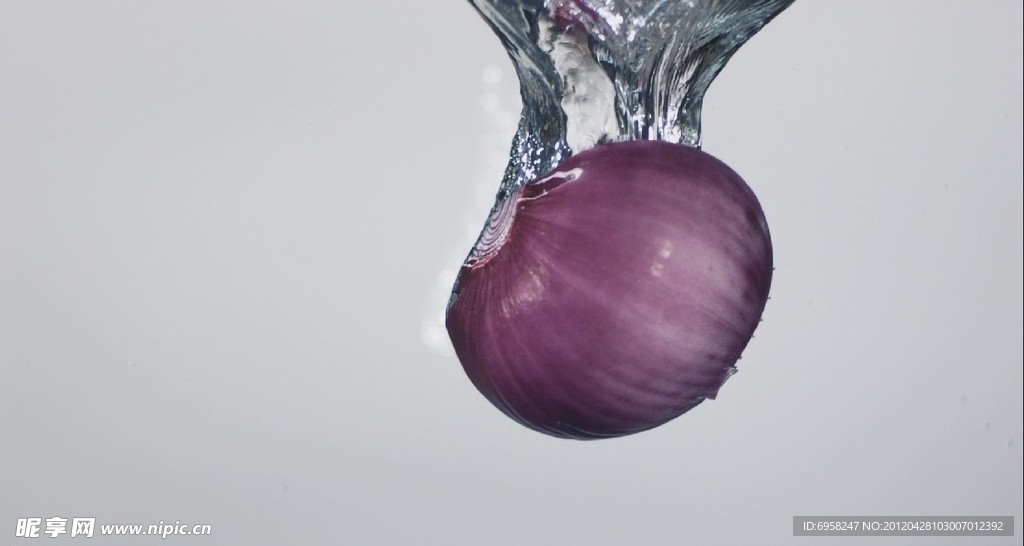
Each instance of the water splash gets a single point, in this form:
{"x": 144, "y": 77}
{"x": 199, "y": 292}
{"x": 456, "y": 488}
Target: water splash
{"x": 596, "y": 71}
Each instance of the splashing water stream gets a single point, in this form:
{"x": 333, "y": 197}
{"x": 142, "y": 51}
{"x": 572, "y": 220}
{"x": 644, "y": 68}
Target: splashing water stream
{"x": 596, "y": 71}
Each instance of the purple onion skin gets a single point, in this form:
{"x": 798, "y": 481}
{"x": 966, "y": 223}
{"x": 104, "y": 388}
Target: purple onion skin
{"x": 618, "y": 295}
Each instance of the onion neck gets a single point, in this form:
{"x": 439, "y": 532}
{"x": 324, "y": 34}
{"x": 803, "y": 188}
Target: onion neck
{"x": 495, "y": 233}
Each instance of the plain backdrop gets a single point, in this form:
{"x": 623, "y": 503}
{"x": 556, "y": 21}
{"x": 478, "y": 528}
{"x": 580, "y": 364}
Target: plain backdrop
{"x": 227, "y": 231}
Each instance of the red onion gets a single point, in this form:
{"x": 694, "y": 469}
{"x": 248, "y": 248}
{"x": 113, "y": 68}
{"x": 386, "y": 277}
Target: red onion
{"x": 615, "y": 293}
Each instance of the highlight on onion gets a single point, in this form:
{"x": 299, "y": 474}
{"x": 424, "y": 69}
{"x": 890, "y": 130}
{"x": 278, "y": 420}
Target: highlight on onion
{"x": 615, "y": 293}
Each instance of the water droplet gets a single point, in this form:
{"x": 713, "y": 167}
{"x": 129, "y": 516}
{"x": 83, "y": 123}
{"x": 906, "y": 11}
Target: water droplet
{"x": 491, "y": 75}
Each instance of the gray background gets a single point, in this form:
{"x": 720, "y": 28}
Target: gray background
{"x": 227, "y": 231}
